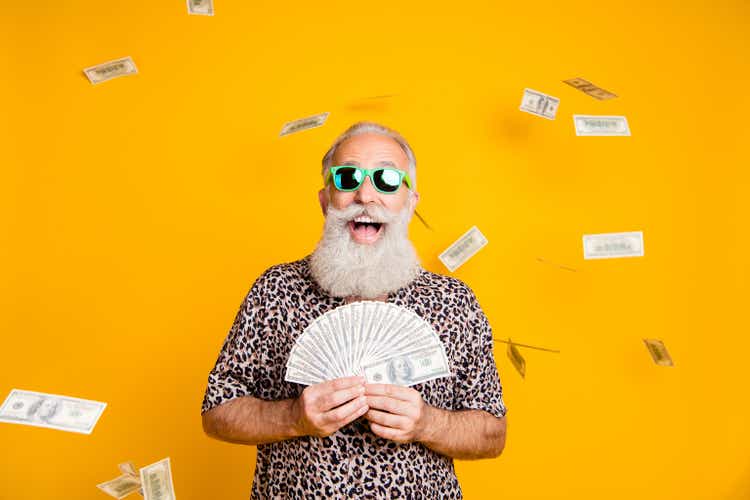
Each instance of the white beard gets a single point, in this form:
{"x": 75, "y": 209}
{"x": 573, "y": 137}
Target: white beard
{"x": 345, "y": 268}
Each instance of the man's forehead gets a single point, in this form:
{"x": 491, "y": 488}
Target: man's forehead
{"x": 376, "y": 148}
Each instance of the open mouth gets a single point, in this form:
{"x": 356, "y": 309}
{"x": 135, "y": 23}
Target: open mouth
{"x": 365, "y": 230}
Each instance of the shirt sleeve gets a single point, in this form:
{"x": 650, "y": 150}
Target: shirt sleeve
{"x": 239, "y": 369}
{"x": 478, "y": 384}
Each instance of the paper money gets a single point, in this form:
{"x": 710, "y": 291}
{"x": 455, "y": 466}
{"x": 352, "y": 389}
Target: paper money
{"x": 157, "y": 481}
{"x": 128, "y": 468}
{"x": 303, "y": 124}
{"x": 200, "y": 7}
{"x": 539, "y": 104}
{"x": 659, "y": 352}
{"x": 121, "y": 486}
{"x": 515, "y": 357}
{"x": 613, "y": 245}
{"x": 52, "y": 411}
{"x": 595, "y": 125}
{"x": 111, "y": 69}
{"x": 463, "y": 249}
{"x": 526, "y": 345}
{"x": 590, "y": 89}
{"x": 410, "y": 368}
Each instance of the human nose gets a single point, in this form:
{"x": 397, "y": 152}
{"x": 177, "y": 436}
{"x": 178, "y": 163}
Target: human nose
{"x": 366, "y": 192}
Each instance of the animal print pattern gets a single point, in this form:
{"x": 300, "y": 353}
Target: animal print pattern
{"x": 353, "y": 462}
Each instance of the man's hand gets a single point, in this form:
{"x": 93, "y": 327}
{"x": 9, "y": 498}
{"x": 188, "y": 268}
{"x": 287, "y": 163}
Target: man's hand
{"x": 397, "y": 413}
{"x": 324, "y": 408}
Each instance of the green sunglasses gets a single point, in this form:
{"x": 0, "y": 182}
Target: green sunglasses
{"x": 385, "y": 180}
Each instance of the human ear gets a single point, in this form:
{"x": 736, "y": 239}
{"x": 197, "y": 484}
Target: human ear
{"x": 413, "y": 199}
{"x": 323, "y": 199}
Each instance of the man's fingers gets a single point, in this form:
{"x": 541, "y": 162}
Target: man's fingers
{"x": 394, "y": 391}
{"x": 388, "y": 404}
{"x": 387, "y": 419}
{"x": 386, "y": 432}
{"x": 344, "y": 411}
{"x": 334, "y": 399}
{"x": 353, "y": 416}
{"x": 342, "y": 383}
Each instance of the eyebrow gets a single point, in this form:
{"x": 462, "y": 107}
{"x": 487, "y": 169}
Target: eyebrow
{"x": 381, "y": 163}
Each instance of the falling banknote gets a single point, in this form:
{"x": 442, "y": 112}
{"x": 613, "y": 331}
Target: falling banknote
{"x": 303, "y": 124}
{"x": 111, "y": 69}
{"x": 52, "y": 411}
{"x": 659, "y": 352}
{"x": 515, "y": 357}
{"x": 121, "y": 486}
{"x": 590, "y": 89}
{"x": 595, "y": 125}
{"x": 463, "y": 249}
{"x": 200, "y": 7}
{"x": 539, "y": 104}
{"x": 613, "y": 245}
{"x": 157, "y": 481}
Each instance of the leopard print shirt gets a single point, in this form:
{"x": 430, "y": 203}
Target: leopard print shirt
{"x": 353, "y": 462}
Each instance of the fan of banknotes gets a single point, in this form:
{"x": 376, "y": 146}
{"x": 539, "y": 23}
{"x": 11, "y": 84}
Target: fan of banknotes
{"x": 386, "y": 343}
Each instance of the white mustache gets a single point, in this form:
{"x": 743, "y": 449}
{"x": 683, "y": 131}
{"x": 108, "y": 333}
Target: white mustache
{"x": 371, "y": 210}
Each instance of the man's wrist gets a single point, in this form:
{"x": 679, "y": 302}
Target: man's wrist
{"x": 433, "y": 423}
{"x": 294, "y": 424}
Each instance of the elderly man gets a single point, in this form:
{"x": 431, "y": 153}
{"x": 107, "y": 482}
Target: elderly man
{"x": 345, "y": 438}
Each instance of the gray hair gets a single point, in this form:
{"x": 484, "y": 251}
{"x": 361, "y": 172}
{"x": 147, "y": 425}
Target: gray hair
{"x": 373, "y": 128}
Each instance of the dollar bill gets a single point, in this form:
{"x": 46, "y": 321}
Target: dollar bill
{"x": 539, "y": 104}
{"x": 52, "y": 411}
{"x": 463, "y": 249}
{"x": 128, "y": 468}
{"x": 121, "y": 486}
{"x": 410, "y": 368}
{"x": 515, "y": 357}
{"x": 200, "y": 7}
{"x": 157, "y": 481}
{"x": 613, "y": 245}
{"x": 589, "y": 88}
{"x": 111, "y": 69}
{"x": 659, "y": 352}
{"x": 303, "y": 124}
{"x": 596, "y": 125}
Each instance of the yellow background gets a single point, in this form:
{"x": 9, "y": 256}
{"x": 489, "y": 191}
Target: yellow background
{"x": 137, "y": 213}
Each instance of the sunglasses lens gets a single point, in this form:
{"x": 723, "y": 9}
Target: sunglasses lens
{"x": 348, "y": 178}
{"x": 387, "y": 179}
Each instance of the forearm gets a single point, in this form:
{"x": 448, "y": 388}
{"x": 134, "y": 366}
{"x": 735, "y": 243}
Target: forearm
{"x": 249, "y": 420}
{"x": 464, "y": 434}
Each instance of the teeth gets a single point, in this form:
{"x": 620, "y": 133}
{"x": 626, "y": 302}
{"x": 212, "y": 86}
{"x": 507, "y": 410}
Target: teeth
{"x": 363, "y": 218}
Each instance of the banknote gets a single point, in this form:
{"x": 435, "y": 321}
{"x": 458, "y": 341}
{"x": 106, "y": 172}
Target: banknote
{"x": 590, "y": 89}
{"x": 128, "y": 468}
{"x": 659, "y": 352}
{"x": 111, "y": 69}
{"x": 303, "y": 124}
{"x": 540, "y": 104}
{"x": 121, "y": 486}
{"x": 49, "y": 410}
{"x": 596, "y": 125}
{"x": 409, "y": 368}
{"x": 613, "y": 245}
{"x": 515, "y": 357}
{"x": 157, "y": 481}
{"x": 200, "y": 7}
{"x": 463, "y": 249}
